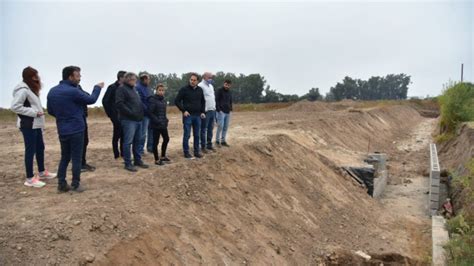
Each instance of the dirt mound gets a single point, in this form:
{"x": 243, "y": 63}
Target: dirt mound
{"x": 376, "y": 129}
{"x": 256, "y": 206}
{"x": 319, "y": 106}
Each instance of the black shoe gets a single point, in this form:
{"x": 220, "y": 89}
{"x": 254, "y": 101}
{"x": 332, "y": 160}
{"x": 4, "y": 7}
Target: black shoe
{"x": 188, "y": 156}
{"x": 218, "y": 144}
{"x": 160, "y": 162}
{"x": 211, "y": 149}
{"x": 87, "y": 168}
{"x": 225, "y": 144}
{"x": 165, "y": 159}
{"x": 130, "y": 168}
{"x": 198, "y": 155}
{"x": 63, "y": 188}
{"x": 204, "y": 150}
{"x": 141, "y": 164}
{"x": 79, "y": 189}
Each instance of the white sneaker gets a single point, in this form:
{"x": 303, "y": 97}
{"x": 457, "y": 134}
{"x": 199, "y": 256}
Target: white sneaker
{"x": 34, "y": 182}
{"x": 46, "y": 175}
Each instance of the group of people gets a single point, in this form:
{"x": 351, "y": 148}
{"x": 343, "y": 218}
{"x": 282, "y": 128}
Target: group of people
{"x": 138, "y": 115}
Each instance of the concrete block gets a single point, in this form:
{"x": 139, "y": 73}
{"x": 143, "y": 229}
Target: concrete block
{"x": 435, "y": 174}
{"x": 379, "y": 185}
{"x": 382, "y": 158}
{"x": 434, "y": 190}
{"x": 434, "y": 205}
{"x": 381, "y": 173}
{"x": 440, "y": 237}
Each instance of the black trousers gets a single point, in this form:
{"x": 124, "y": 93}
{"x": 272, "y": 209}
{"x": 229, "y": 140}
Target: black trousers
{"x": 117, "y": 138}
{"x": 156, "y": 139}
{"x": 84, "y": 147}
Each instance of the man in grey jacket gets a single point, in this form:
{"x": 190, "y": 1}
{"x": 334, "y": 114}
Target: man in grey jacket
{"x": 131, "y": 114}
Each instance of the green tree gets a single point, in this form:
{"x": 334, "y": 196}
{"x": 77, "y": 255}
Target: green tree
{"x": 390, "y": 87}
{"x": 312, "y": 95}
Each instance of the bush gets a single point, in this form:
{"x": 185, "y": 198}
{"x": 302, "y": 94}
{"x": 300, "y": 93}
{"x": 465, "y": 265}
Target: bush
{"x": 457, "y": 104}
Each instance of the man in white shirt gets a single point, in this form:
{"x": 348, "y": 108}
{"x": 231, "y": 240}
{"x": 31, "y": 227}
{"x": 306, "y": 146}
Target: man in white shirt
{"x": 207, "y": 124}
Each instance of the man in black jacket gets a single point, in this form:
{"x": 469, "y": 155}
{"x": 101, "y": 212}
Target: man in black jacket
{"x": 190, "y": 101}
{"x": 111, "y": 110}
{"x": 130, "y": 113}
{"x": 224, "y": 108}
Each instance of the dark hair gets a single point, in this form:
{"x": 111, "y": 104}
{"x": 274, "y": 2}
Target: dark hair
{"x": 31, "y": 78}
{"x": 121, "y": 74}
{"x": 160, "y": 85}
{"x": 194, "y": 74}
{"x": 67, "y": 71}
{"x": 228, "y": 81}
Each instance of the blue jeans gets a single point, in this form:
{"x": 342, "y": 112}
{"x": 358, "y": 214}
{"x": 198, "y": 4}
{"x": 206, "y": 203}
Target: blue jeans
{"x": 207, "y": 126}
{"x": 223, "y": 121}
{"x": 34, "y": 145}
{"x": 143, "y": 132}
{"x": 193, "y": 121}
{"x": 71, "y": 149}
{"x": 149, "y": 141}
{"x": 132, "y": 131}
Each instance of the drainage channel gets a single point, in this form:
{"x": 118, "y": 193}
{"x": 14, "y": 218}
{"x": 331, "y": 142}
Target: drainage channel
{"x": 374, "y": 178}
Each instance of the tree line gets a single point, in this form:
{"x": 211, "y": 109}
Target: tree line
{"x": 253, "y": 88}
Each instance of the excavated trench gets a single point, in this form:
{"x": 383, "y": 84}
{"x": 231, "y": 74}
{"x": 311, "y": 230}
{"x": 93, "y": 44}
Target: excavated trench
{"x": 279, "y": 195}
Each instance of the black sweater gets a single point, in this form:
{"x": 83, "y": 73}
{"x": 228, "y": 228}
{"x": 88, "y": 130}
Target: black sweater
{"x": 224, "y": 100}
{"x": 109, "y": 101}
{"x": 129, "y": 105}
{"x": 191, "y": 99}
{"x": 157, "y": 112}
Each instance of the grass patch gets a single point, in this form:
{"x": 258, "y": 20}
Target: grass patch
{"x": 447, "y": 136}
{"x": 7, "y": 115}
{"x": 427, "y": 104}
{"x": 461, "y": 227}
{"x": 260, "y": 107}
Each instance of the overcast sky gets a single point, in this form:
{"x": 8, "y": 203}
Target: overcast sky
{"x": 295, "y": 46}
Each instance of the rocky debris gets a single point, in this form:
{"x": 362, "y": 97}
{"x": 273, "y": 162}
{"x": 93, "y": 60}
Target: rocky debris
{"x": 364, "y": 255}
{"x": 87, "y": 258}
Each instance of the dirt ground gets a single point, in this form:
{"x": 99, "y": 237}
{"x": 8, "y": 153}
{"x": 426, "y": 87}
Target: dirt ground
{"x": 278, "y": 195}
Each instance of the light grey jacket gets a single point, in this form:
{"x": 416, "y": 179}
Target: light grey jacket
{"x": 20, "y": 94}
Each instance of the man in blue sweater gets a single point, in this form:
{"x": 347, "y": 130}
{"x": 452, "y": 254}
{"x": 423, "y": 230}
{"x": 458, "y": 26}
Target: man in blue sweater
{"x": 66, "y": 103}
{"x": 144, "y": 92}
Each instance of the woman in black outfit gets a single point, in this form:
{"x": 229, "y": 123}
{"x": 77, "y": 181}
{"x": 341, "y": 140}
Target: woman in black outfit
{"x": 159, "y": 123}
